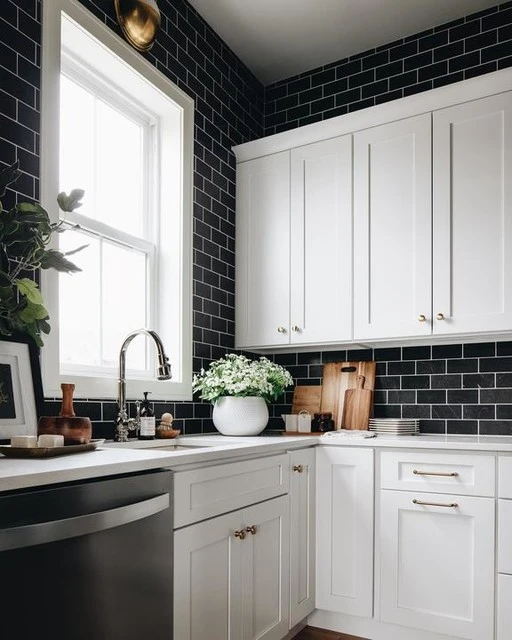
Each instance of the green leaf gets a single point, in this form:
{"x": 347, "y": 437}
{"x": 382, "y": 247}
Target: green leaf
{"x": 30, "y": 290}
{"x": 71, "y": 201}
{"x": 5, "y": 281}
{"x": 9, "y": 175}
{"x": 44, "y": 326}
{"x": 55, "y": 260}
{"x": 70, "y": 253}
{"x": 33, "y": 331}
{"x": 33, "y": 312}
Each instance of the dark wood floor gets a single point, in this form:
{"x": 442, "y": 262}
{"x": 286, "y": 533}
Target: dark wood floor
{"x": 312, "y": 633}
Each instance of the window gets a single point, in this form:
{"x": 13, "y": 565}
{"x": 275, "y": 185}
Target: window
{"x": 113, "y": 125}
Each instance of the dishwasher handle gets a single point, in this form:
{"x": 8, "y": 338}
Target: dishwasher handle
{"x": 55, "y": 530}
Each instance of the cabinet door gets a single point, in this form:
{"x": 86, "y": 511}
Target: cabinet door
{"x": 321, "y": 242}
{"x": 344, "y": 532}
{"x": 437, "y": 563}
{"x": 208, "y": 580}
{"x": 473, "y": 216}
{"x": 266, "y": 571}
{"x": 302, "y": 534}
{"x": 504, "y": 610}
{"x": 263, "y": 251}
{"x": 392, "y": 230}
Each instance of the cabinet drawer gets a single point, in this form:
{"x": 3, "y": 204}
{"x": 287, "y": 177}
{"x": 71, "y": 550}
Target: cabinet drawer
{"x": 505, "y": 477}
{"x": 504, "y": 536}
{"x": 467, "y": 475}
{"x": 204, "y": 493}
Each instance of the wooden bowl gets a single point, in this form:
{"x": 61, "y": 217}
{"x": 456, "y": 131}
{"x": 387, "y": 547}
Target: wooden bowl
{"x": 76, "y": 430}
{"x": 167, "y": 433}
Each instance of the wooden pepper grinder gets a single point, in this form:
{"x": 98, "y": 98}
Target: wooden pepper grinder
{"x": 66, "y": 408}
{"x": 76, "y": 430}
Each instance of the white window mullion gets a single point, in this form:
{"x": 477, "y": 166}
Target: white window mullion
{"x": 101, "y": 309}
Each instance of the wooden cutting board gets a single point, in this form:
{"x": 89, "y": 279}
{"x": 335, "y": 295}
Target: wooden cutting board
{"x": 337, "y": 378}
{"x": 307, "y": 398}
{"x": 357, "y": 407}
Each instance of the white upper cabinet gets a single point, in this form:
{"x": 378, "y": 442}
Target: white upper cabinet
{"x": 392, "y": 230}
{"x": 423, "y": 247}
{"x": 263, "y": 251}
{"x": 294, "y": 246}
{"x": 321, "y": 242}
{"x": 472, "y": 183}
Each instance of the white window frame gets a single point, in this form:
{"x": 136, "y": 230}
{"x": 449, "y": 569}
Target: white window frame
{"x": 93, "y": 81}
{"x": 172, "y": 312}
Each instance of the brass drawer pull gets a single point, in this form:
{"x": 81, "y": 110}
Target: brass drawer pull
{"x": 298, "y": 468}
{"x": 251, "y": 529}
{"x": 240, "y": 534}
{"x": 448, "y": 474}
{"x": 451, "y": 505}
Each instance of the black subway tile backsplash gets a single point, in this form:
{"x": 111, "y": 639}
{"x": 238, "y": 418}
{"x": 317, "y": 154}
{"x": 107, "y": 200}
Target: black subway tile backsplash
{"x": 447, "y": 53}
{"x": 451, "y": 388}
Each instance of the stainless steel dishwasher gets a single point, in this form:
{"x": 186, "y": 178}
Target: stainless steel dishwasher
{"x": 88, "y": 560}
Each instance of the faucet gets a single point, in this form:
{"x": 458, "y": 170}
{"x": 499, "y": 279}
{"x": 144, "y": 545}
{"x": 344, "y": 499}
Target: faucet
{"x": 124, "y": 424}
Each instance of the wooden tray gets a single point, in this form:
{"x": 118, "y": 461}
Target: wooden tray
{"x": 48, "y": 452}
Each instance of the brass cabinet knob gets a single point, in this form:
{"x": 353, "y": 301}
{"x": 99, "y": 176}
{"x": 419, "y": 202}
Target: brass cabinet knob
{"x": 240, "y": 534}
{"x": 440, "y": 316}
{"x": 251, "y": 529}
{"x": 295, "y": 328}
{"x": 422, "y": 318}
{"x": 298, "y": 468}
{"x": 281, "y": 330}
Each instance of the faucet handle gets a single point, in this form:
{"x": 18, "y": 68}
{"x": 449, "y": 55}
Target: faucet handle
{"x": 134, "y": 423}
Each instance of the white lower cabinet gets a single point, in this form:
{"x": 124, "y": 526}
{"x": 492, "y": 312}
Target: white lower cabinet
{"x": 231, "y": 575}
{"x": 302, "y": 534}
{"x": 437, "y": 563}
{"x": 504, "y": 612}
{"x": 344, "y": 531}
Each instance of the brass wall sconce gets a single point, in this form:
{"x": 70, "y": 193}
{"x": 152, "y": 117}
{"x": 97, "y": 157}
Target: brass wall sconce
{"x": 139, "y": 21}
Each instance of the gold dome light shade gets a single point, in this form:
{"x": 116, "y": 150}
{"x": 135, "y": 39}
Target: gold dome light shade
{"x": 139, "y": 20}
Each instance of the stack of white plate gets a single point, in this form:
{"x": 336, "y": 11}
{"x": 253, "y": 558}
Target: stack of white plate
{"x": 394, "y": 426}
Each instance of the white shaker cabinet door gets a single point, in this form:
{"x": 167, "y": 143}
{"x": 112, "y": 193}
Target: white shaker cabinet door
{"x": 473, "y": 216}
{"x": 302, "y": 534}
{"x": 344, "y": 531}
{"x": 263, "y": 252}
{"x": 208, "y": 580}
{"x": 321, "y": 242}
{"x": 266, "y": 570}
{"x": 392, "y": 230}
{"x": 437, "y": 563}
{"x": 504, "y": 608}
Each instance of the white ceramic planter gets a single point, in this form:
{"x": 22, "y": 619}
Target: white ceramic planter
{"x": 234, "y": 416}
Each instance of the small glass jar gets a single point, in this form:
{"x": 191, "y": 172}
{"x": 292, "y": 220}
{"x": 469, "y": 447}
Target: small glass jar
{"x": 322, "y": 422}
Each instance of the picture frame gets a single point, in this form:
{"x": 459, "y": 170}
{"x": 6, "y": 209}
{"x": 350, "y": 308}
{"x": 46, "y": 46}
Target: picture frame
{"x": 21, "y": 391}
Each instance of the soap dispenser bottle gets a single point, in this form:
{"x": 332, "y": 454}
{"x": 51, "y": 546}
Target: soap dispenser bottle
{"x": 147, "y": 419}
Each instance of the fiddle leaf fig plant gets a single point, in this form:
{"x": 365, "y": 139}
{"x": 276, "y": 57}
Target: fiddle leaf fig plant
{"x": 25, "y": 232}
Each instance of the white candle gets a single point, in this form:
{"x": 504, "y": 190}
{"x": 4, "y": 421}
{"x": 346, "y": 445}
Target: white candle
{"x": 24, "y": 442}
{"x": 48, "y": 440}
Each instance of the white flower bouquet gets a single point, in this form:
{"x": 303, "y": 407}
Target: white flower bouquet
{"x": 236, "y": 375}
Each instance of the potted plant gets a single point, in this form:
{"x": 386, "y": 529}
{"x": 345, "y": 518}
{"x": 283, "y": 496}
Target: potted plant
{"x": 25, "y": 232}
{"x": 239, "y": 389}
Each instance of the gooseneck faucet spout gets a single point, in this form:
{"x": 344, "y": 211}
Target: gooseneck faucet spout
{"x": 124, "y": 424}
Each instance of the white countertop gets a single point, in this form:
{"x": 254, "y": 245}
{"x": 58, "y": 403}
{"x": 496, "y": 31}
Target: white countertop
{"x": 424, "y": 441}
{"x": 115, "y": 458}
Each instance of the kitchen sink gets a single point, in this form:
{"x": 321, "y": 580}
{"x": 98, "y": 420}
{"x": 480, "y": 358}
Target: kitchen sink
{"x": 179, "y": 447}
